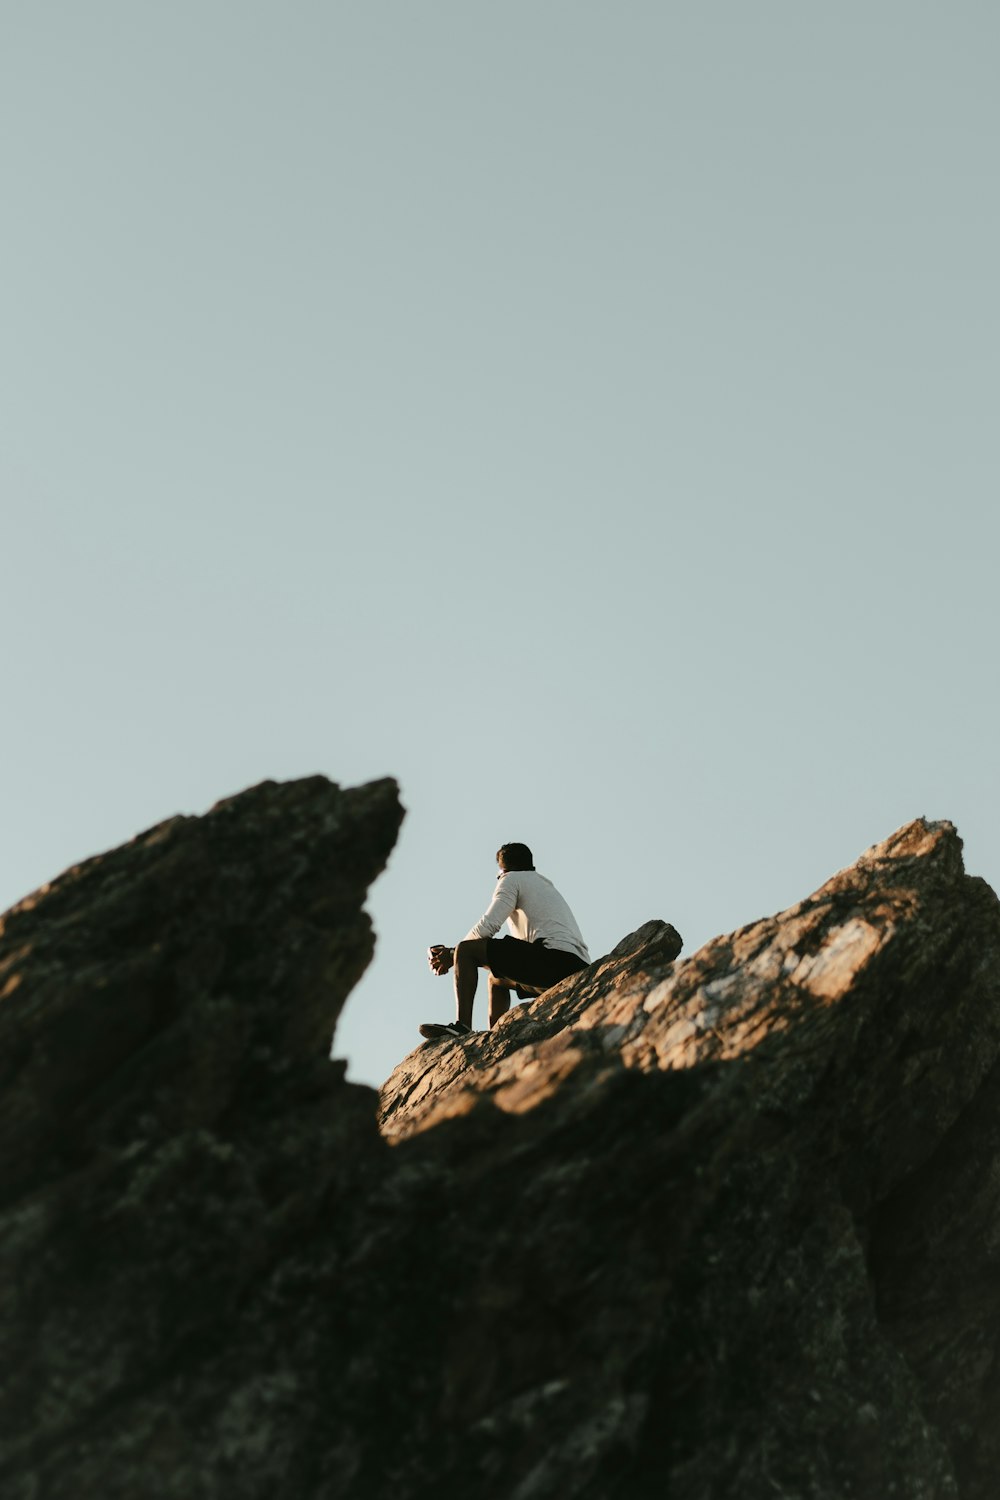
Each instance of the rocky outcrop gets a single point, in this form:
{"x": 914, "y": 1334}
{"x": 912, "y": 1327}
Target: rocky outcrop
{"x": 170, "y": 1128}
{"x": 437, "y": 1081}
{"x": 725, "y": 1226}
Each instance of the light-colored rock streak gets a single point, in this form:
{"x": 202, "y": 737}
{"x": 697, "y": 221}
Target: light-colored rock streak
{"x": 832, "y": 970}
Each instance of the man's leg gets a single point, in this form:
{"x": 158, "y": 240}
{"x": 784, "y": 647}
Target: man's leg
{"x": 470, "y": 957}
{"x": 499, "y": 999}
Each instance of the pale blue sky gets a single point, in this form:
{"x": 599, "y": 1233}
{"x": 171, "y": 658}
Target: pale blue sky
{"x": 582, "y": 412}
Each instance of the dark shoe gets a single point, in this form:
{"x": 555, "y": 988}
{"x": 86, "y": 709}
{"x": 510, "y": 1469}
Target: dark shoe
{"x": 434, "y": 1033}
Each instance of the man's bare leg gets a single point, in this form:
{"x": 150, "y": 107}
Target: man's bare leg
{"x": 499, "y": 999}
{"x": 470, "y": 957}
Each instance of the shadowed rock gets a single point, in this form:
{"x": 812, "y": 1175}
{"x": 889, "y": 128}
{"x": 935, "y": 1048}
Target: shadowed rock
{"x": 169, "y": 1123}
{"x": 720, "y": 1227}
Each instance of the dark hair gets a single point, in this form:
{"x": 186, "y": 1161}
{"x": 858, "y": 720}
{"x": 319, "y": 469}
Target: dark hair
{"x": 515, "y": 857}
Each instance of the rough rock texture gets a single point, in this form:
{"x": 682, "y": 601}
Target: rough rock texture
{"x": 170, "y": 1127}
{"x": 724, "y": 1227}
{"x": 437, "y": 1081}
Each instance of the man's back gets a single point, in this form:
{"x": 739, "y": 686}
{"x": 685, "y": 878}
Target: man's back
{"x": 545, "y": 947}
{"x": 535, "y": 912}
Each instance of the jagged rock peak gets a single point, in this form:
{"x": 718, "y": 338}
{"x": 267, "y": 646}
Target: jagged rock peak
{"x": 637, "y": 1009}
{"x": 791, "y": 1134}
{"x": 722, "y": 1226}
{"x": 170, "y": 983}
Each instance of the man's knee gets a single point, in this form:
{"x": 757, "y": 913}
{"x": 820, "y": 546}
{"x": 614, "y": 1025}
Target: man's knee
{"x": 472, "y": 950}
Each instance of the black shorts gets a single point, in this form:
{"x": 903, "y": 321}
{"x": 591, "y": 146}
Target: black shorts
{"x": 530, "y": 968}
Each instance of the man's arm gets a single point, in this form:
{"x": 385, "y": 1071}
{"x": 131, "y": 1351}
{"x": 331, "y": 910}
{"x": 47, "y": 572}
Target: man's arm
{"x": 441, "y": 958}
{"x": 503, "y": 903}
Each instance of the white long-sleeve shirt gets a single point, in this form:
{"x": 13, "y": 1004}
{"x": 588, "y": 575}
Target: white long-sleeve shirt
{"x": 532, "y": 908}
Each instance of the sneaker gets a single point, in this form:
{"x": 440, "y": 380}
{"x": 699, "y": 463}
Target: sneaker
{"x": 453, "y": 1028}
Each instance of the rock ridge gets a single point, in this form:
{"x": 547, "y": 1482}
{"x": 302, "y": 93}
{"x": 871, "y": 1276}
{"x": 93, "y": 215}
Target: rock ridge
{"x": 437, "y": 1080}
{"x": 724, "y": 1225}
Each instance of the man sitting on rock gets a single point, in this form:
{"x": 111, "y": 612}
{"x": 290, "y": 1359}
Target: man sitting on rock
{"x": 546, "y": 945}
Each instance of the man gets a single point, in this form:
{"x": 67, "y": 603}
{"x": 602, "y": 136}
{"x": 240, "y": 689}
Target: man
{"x": 546, "y": 945}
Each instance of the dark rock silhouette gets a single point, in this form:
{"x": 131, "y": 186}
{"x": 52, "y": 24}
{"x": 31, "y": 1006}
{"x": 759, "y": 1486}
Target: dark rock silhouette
{"x": 723, "y": 1227}
{"x": 171, "y": 1131}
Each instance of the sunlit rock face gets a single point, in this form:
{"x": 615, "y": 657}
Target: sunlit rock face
{"x": 724, "y": 1226}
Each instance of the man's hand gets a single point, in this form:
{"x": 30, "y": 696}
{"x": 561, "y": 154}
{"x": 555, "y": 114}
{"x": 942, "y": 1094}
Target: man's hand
{"x": 440, "y": 958}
